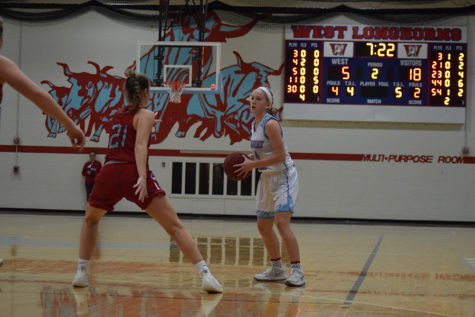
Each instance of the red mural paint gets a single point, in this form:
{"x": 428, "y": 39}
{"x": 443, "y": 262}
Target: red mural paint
{"x": 93, "y": 97}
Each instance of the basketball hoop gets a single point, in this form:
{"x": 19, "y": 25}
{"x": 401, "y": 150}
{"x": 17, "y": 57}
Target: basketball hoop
{"x": 174, "y": 89}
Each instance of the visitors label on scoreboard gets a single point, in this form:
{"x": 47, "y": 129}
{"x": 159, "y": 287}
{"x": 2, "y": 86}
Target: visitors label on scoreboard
{"x": 376, "y": 65}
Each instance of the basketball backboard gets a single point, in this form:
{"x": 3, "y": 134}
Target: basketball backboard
{"x": 196, "y": 64}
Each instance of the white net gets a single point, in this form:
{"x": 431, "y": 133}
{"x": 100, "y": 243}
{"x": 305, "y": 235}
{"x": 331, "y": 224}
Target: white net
{"x": 175, "y": 89}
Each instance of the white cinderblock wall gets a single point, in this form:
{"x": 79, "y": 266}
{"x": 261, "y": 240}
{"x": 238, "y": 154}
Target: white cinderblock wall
{"x": 336, "y": 189}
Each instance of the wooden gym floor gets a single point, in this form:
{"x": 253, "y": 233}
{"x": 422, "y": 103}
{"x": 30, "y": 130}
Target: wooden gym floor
{"x": 351, "y": 270}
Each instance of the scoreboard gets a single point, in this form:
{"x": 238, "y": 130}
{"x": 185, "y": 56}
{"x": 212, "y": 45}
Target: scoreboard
{"x": 375, "y": 73}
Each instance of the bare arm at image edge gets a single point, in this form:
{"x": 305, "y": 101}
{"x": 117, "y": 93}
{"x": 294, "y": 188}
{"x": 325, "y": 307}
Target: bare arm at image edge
{"x": 13, "y": 76}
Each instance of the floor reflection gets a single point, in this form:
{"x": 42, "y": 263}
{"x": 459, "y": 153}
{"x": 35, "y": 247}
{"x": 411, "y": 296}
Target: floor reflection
{"x": 139, "y": 271}
{"x": 228, "y": 251}
{"x": 67, "y": 301}
{"x": 93, "y": 301}
{"x": 244, "y": 298}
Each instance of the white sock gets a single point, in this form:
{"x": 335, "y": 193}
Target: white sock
{"x": 83, "y": 265}
{"x": 296, "y": 266}
{"x": 277, "y": 263}
{"x": 202, "y": 267}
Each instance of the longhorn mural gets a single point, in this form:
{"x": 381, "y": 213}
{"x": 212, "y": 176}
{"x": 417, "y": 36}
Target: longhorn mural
{"x": 93, "y": 97}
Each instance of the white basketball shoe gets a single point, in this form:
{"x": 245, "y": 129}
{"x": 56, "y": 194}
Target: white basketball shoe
{"x": 272, "y": 274}
{"x": 210, "y": 284}
{"x": 80, "y": 279}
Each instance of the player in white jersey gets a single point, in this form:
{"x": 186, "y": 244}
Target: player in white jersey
{"x": 276, "y": 191}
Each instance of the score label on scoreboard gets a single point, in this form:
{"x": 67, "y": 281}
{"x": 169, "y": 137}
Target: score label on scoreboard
{"x": 398, "y": 74}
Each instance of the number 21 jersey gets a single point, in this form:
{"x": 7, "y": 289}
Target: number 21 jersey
{"x": 122, "y": 138}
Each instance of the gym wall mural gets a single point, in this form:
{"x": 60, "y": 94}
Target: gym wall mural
{"x": 94, "y": 94}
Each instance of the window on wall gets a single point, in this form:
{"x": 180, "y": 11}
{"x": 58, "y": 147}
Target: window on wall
{"x": 177, "y": 177}
{"x": 190, "y": 178}
{"x": 203, "y": 178}
{"x": 218, "y": 177}
{"x": 209, "y": 179}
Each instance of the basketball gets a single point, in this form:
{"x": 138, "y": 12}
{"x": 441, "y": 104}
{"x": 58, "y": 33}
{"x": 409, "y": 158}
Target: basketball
{"x": 229, "y": 161}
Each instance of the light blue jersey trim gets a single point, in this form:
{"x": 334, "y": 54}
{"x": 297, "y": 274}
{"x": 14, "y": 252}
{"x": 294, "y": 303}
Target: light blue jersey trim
{"x": 262, "y": 125}
{"x": 264, "y": 121}
{"x": 289, "y": 206}
{"x": 262, "y": 214}
{"x": 290, "y": 203}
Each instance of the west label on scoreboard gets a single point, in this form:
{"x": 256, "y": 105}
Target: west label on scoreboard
{"x": 396, "y": 72}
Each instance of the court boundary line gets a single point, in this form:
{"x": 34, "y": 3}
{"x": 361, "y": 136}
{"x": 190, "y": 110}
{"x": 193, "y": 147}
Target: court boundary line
{"x": 252, "y": 217}
{"x": 359, "y": 281}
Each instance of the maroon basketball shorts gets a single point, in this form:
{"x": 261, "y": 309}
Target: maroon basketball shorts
{"x": 115, "y": 181}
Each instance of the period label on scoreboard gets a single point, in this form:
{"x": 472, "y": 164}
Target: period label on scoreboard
{"x": 376, "y": 66}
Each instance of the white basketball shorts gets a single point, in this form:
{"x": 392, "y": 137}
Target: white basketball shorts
{"x": 277, "y": 191}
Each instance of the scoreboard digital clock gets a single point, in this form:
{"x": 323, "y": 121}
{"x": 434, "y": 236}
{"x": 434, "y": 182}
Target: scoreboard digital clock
{"x": 396, "y": 73}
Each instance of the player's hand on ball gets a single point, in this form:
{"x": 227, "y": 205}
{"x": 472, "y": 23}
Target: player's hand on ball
{"x": 244, "y": 168}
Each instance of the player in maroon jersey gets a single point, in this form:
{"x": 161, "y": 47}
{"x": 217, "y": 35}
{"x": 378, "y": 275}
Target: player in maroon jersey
{"x": 126, "y": 175}
{"x": 90, "y": 170}
{"x": 13, "y": 76}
